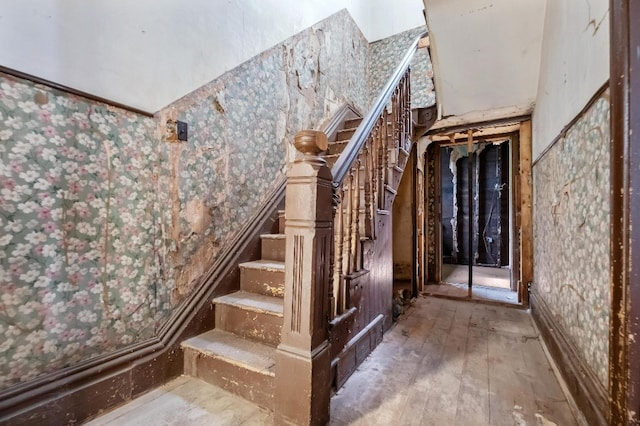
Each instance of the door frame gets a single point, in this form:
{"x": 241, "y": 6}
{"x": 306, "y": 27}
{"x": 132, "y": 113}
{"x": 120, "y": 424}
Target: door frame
{"x": 518, "y": 131}
{"x": 624, "y": 337}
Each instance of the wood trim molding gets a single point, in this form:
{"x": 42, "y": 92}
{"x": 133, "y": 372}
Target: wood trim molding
{"x": 525, "y": 198}
{"x": 573, "y": 121}
{"x": 589, "y": 394}
{"x": 51, "y": 84}
{"x": 480, "y": 125}
{"x": 624, "y": 317}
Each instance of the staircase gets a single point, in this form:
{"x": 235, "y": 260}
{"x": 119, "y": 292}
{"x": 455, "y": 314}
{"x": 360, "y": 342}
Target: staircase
{"x": 239, "y": 353}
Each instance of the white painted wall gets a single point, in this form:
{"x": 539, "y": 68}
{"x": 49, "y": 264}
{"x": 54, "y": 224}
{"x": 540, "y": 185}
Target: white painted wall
{"x": 387, "y": 18}
{"x": 148, "y": 53}
{"x": 574, "y": 64}
{"x": 486, "y": 56}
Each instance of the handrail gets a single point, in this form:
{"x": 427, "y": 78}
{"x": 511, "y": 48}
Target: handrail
{"x": 63, "y": 88}
{"x": 350, "y": 153}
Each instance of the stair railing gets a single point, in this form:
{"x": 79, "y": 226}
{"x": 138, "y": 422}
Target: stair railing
{"x": 362, "y": 174}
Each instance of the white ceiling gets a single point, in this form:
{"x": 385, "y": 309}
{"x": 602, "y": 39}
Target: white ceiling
{"x": 486, "y": 57}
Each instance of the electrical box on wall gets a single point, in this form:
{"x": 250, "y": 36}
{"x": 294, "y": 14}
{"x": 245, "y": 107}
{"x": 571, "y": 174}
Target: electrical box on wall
{"x": 182, "y": 130}
{"x": 176, "y": 131}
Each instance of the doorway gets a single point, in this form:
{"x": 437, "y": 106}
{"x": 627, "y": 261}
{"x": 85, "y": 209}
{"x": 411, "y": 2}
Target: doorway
{"x": 473, "y": 216}
{"x": 475, "y": 220}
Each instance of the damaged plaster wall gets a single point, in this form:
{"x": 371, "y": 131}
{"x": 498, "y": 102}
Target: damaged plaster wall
{"x": 571, "y": 234}
{"x": 384, "y": 57}
{"x": 241, "y": 129}
{"x": 105, "y": 228}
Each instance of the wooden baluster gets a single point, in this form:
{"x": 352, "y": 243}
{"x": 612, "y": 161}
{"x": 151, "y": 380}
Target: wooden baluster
{"x": 385, "y": 149}
{"x": 338, "y": 238}
{"x": 355, "y": 223}
{"x": 398, "y": 117}
{"x": 368, "y": 213}
{"x": 346, "y": 253}
{"x": 409, "y": 125}
{"x": 382, "y": 145}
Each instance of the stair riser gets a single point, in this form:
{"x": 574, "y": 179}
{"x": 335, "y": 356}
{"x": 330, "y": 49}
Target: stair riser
{"x": 396, "y": 176}
{"x": 262, "y": 281}
{"x": 273, "y": 249}
{"x": 249, "y": 384}
{"x": 403, "y": 157}
{"x": 353, "y": 122}
{"x": 345, "y": 134}
{"x": 259, "y": 326}
{"x": 388, "y": 200}
{"x": 337, "y": 147}
{"x": 281, "y": 221}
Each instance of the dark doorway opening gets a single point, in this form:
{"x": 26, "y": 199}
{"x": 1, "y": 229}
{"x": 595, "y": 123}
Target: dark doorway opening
{"x": 488, "y": 208}
{"x": 476, "y": 203}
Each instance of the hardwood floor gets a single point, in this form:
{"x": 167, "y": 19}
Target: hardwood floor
{"x": 444, "y": 362}
{"x": 452, "y": 362}
{"x": 491, "y": 284}
{"x": 482, "y": 275}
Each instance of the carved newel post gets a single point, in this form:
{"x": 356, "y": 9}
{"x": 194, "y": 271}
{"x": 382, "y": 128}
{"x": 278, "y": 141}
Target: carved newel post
{"x": 302, "y": 360}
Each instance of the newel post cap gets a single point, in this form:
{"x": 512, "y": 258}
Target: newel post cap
{"x": 311, "y": 142}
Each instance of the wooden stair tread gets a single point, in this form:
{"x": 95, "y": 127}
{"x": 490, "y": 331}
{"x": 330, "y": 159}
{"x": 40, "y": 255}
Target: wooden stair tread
{"x": 234, "y": 349}
{"x": 253, "y": 302}
{"x": 273, "y": 236}
{"x": 265, "y": 265}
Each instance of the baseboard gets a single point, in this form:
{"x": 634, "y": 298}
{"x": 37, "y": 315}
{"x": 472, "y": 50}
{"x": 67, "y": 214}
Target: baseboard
{"x": 357, "y": 350}
{"x": 589, "y": 394}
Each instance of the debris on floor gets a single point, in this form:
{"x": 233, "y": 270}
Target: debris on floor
{"x": 401, "y": 301}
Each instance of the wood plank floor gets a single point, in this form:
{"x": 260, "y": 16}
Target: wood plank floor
{"x": 452, "y": 362}
{"x": 444, "y": 362}
{"x": 482, "y": 275}
{"x": 460, "y": 291}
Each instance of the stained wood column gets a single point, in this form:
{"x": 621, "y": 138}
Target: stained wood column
{"x": 526, "y": 213}
{"x": 302, "y": 359}
{"x": 624, "y": 344}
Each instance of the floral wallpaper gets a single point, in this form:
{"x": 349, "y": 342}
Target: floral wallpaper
{"x": 261, "y": 104}
{"x": 81, "y": 245}
{"x": 571, "y": 234}
{"x": 105, "y": 227}
{"x": 384, "y": 57}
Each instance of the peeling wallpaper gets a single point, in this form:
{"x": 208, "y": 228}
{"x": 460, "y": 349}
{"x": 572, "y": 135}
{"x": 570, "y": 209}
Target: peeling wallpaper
{"x": 571, "y": 234}
{"x": 105, "y": 228}
{"x": 384, "y": 57}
